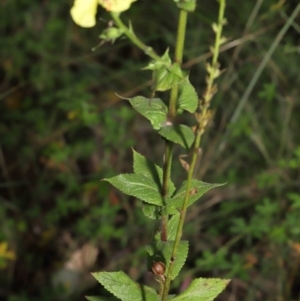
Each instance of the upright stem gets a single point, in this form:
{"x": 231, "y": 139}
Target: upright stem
{"x": 180, "y": 36}
{"x": 202, "y": 120}
{"x": 165, "y": 187}
{"x": 172, "y": 114}
{"x": 178, "y": 59}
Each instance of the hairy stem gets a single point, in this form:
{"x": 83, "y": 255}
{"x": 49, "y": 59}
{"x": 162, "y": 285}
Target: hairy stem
{"x": 172, "y": 113}
{"x": 128, "y": 31}
{"x": 202, "y": 120}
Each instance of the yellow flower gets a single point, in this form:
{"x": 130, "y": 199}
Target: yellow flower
{"x": 116, "y": 6}
{"x": 84, "y": 12}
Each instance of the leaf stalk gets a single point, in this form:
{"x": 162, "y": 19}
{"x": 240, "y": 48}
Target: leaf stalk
{"x": 135, "y": 40}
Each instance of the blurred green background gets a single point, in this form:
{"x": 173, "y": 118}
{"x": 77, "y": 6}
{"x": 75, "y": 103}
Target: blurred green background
{"x": 63, "y": 129}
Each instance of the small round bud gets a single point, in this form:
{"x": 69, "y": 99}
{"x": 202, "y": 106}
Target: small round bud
{"x": 158, "y": 268}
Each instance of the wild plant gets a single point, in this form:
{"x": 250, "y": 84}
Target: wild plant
{"x": 150, "y": 183}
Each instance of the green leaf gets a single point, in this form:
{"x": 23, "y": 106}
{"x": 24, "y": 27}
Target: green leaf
{"x": 142, "y": 165}
{"x": 124, "y": 288}
{"x": 198, "y": 188}
{"x": 153, "y": 109}
{"x": 172, "y": 226}
{"x": 162, "y": 251}
{"x": 166, "y": 77}
{"x": 180, "y": 134}
{"x": 164, "y": 61}
{"x": 111, "y": 34}
{"x": 182, "y": 253}
{"x": 202, "y": 289}
{"x": 139, "y": 186}
{"x": 165, "y": 57}
{"x": 176, "y": 70}
{"x": 188, "y": 6}
{"x": 188, "y": 98}
{"x": 165, "y": 74}
{"x": 152, "y": 211}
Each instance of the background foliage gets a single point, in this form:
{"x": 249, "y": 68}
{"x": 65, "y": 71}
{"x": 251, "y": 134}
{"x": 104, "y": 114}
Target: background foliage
{"x": 63, "y": 129}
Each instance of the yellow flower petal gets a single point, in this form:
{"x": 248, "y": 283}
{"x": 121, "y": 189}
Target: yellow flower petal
{"x": 116, "y": 6}
{"x": 4, "y": 253}
{"x": 84, "y": 12}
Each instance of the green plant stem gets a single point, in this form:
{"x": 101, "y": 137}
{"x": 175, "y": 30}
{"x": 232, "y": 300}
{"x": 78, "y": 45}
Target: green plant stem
{"x": 166, "y": 175}
{"x": 202, "y": 122}
{"x": 181, "y": 36}
{"x": 178, "y": 59}
{"x": 135, "y": 40}
{"x": 182, "y": 22}
{"x": 210, "y": 82}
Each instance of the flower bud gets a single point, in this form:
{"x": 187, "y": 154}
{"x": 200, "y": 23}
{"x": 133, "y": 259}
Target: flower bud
{"x": 158, "y": 268}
